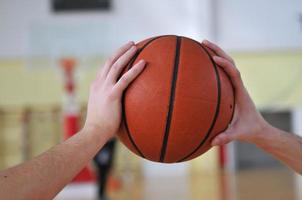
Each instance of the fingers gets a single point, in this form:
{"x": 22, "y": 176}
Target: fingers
{"x": 231, "y": 71}
{"x": 226, "y": 62}
{"x": 120, "y": 64}
{"x": 218, "y": 50}
{"x": 235, "y": 116}
{"x": 223, "y": 138}
{"x": 111, "y": 60}
{"x": 127, "y": 78}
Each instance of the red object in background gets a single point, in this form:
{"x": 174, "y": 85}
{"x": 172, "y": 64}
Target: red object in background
{"x": 70, "y": 125}
{"x": 222, "y": 156}
{"x": 68, "y": 65}
{"x": 85, "y": 175}
{"x": 70, "y": 128}
{"x": 114, "y": 184}
{"x": 71, "y": 114}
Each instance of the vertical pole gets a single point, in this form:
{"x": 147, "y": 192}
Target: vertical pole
{"x": 2, "y": 157}
{"x": 25, "y": 134}
{"x": 71, "y": 111}
{"x": 297, "y": 129}
{"x": 214, "y": 7}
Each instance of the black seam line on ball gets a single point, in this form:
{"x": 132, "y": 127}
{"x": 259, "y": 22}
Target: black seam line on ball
{"x": 123, "y": 97}
{"x": 217, "y": 106}
{"x": 172, "y": 98}
{"x": 233, "y": 103}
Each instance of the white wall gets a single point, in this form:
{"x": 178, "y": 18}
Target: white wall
{"x": 30, "y": 26}
{"x": 258, "y": 24}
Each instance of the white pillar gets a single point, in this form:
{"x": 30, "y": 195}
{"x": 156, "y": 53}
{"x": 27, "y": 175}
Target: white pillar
{"x": 231, "y": 157}
{"x": 166, "y": 181}
{"x": 297, "y": 129}
{"x": 297, "y": 121}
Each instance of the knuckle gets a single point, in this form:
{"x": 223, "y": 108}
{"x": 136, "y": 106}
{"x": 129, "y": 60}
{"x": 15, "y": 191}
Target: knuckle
{"x": 111, "y": 58}
{"x": 111, "y": 95}
{"x": 236, "y": 73}
{"x": 134, "y": 70}
{"x": 124, "y": 80}
{"x": 224, "y": 61}
{"x": 116, "y": 66}
{"x": 109, "y": 61}
{"x": 232, "y": 61}
{"x": 216, "y": 48}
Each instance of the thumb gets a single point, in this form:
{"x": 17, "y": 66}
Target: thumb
{"x": 223, "y": 138}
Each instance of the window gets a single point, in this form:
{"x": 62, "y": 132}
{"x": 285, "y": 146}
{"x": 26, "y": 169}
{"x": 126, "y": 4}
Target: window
{"x": 80, "y": 5}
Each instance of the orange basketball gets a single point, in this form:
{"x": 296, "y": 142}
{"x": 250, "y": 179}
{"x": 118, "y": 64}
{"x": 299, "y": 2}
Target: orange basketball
{"x": 178, "y": 104}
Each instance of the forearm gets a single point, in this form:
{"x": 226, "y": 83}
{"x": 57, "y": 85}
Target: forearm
{"x": 284, "y": 146}
{"x": 248, "y": 125}
{"x": 44, "y": 176}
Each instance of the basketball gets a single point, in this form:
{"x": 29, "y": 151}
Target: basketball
{"x": 179, "y": 103}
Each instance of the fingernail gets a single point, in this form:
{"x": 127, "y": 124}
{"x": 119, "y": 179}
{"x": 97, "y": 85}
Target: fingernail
{"x": 131, "y": 42}
{"x": 216, "y": 58}
{"x": 133, "y": 48}
{"x": 142, "y": 61}
{"x": 205, "y": 42}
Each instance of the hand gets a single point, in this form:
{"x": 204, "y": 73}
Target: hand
{"x": 104, "y": 104}
{"x": 247, "y": 124}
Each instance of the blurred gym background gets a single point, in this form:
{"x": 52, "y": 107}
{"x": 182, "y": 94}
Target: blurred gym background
{"x": 50, "y": 51}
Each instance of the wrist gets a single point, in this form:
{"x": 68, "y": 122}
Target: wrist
{"x": 263, "y": 135}
{"x": 255, "y": 132}
{"x": 97, "y": 133}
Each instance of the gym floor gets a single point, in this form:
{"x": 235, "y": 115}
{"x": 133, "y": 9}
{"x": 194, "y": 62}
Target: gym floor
{"x": 267, "y": 49}
{"x": 260, "y": 184}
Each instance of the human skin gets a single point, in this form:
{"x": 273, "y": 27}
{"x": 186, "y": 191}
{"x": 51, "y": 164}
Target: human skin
{"x": 249, "y": 126}
{"x": 45, "y": 176}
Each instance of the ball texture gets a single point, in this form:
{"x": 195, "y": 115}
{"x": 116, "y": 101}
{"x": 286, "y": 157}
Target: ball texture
{"x": 178, "y": 104}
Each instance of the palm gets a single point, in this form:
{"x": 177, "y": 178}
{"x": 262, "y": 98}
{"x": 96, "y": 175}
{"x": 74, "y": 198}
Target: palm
{"x": 246, "y": 121}
{"x": 104, "y": 106}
